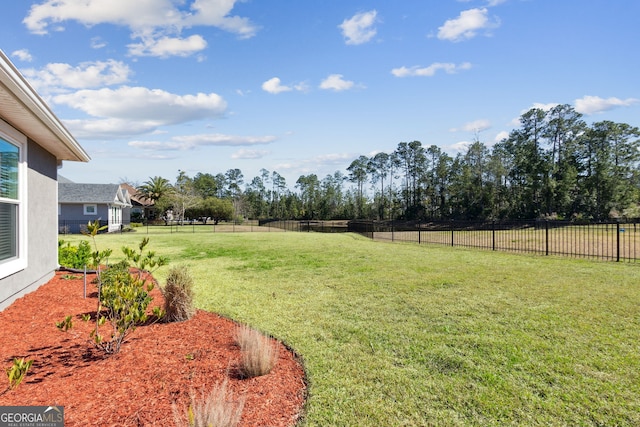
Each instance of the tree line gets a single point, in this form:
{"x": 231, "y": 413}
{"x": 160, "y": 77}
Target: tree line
{"x": 554, "y": 165}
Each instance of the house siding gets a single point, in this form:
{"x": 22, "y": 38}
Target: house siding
{"x": 72, "y": 218}
{"x": 42, "y": 239}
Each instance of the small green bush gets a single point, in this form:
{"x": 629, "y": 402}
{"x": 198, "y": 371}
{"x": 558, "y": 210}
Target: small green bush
{"x": 178, "y": 295}
{"x": 125, "y": 297}
{"x": 74, "y": 256}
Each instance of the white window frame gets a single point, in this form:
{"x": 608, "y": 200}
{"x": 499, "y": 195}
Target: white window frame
{"x": 19, "y": 262}
{"x": 90, "y": 205}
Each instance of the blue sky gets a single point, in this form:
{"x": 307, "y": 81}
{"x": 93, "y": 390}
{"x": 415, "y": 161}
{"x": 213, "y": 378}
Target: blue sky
{"x": 151, "y": 87}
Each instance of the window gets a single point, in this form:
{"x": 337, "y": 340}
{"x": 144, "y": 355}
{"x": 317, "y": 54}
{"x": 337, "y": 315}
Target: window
{"x": 12, "y": 201}
{"x": 90, "y": 209}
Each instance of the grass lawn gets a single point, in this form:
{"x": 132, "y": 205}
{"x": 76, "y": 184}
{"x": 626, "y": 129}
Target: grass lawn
{"x": 408, "y": 335}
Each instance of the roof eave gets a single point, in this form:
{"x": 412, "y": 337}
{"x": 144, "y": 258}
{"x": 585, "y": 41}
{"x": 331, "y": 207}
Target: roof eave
{"x": 27, "y": 112}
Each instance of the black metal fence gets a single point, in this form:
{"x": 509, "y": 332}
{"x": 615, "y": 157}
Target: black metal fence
{"x": 612, "y": 241}
{"x": 307, "y": 225}
{"x": 80, "y": 226}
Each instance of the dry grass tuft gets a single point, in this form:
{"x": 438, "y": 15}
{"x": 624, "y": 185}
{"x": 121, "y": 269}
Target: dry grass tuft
{"x": 218, "y": 409}
{"x": 178, "y": 295}
{"x": 259, "y": 353}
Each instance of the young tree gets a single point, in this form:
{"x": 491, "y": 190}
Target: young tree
{"x": 184, "y": 195}
{"x": 309, "y": 187}
{"x": 358, "y": 175}
{"x": 378, "y": 167}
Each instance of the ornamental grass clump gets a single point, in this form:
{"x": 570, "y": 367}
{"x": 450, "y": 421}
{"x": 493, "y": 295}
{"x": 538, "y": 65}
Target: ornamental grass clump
{"x": 218, "y": 408}
{"x": 178, "y": 295}
{"x": 259, "y": 353}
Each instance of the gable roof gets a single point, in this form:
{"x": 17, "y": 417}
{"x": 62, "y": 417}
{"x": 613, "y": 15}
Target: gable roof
{"x": 136, "y": 197}
{"x": 23, "y": 109}
{"x": 112, "y": 194}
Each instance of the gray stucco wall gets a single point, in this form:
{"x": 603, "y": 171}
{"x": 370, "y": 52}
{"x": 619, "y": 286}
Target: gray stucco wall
{"x": 42, "y": 221}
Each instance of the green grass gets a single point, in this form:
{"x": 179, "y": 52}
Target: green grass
{"x": 408, "y": 335}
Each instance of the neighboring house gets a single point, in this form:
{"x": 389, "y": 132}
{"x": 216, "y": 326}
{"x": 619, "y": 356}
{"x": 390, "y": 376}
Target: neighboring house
{"x": 33, "y": 144}
{"x": 80, "y": 203}
{"x": 141, "y": 207}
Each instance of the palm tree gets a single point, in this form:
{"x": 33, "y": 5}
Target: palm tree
{"x": 154, "y": 189}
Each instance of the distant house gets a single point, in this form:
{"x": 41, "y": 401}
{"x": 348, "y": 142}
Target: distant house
{"x": 141, "y": 207}
{"x": 80, "y": 203}
{"x": 33, "y": 145}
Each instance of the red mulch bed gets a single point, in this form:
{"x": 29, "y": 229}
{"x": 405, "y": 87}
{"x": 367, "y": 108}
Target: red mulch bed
{"x": 157, "y": 367}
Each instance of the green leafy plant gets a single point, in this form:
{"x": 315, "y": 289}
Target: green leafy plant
{"x": 143, "y": 261}
{"x": 74, "y": 256}
{"x": 86, "y": 317}
{"x": 66, "y": 324}
{"x": 123, "y": 294}
{"x": 178, "y": 295}
{"x": 18, "y": 371}
{"x": 124, "y": 298}
{"x": 97, "y": 257}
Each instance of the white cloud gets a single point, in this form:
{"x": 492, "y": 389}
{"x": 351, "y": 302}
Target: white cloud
{"x": 165, "y": 47}
{"x": 360, "y": 28}
{"x": 97, "y": 43}
{"x": 501, "y": 135}
{"x": 189, "y": 142}
{"x": 595, "y": 104}
{"x": 466, "y": 25}
{"x": 140, "y": 103}
{"x": 431, "y": 70}
{"x": 222, "y": 139}
{"x": 159, "y": 20}
{"x": 314, "y": 164}
{"x": 460, "y": 147}
{"x": 22, "y": 55}
{"x": 59, "y": 76}
{"x": 544, "y": 107}
{"x": 111, "y": 128}
{"x": 250, "y": 154}
{"x": 275, "y": 86}
{"x": 474, "y": 126}
{"x": 336, "y": 82}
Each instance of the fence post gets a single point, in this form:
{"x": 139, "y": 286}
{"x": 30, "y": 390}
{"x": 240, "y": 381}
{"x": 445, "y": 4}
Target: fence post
{"x": 546, "y": 237}
{"x": 617, "y": 241}
{"x": 451, "y": 233}
{"x": 392, "y": 229}
{"x": 493, "y": 235}
{"x": 419, "y": 232}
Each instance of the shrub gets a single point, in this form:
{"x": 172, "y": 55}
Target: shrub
{"x": 259, "y": 353}
{"x": 125, "y": 298}
{"x": 217, "y": 409}
{"x": 178, "y": 295}
{"x": 72, "y": 256}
